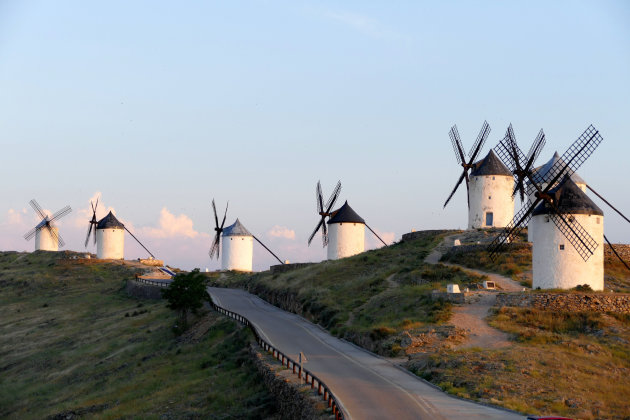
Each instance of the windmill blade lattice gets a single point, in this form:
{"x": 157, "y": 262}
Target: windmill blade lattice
{"x": 520, "y": 165}
{"x": 324, "y": 211}
{"x": 472, "y": 154}
{"x": 47, "y": 222}
{"x": 215, "y": 248}
{"x": 560, "y": 172}
{"x": 92, "y": 224}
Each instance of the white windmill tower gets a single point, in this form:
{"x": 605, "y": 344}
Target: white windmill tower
{"x": 109, "y": 236}
{"x": 237, "y": 248}
{"x": 236, "y": 244}
{"x": 556, "y": 262}
{"x": 543, "y": 172}
{"x": 568, "y": 227}
{"x": 46, "y": 234}
{"x": 345, "y": 235}
{"x": 488, "y": 188}
{"x": 491, "y": 203}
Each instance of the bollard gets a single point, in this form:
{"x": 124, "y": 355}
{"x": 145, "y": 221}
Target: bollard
{"x": 294, "y": 368}
{"x": 319, "y": 388}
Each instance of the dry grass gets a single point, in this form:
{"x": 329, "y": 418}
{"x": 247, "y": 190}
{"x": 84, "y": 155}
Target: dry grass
{"x": 364, "y": 298}
{"x": 571, "y": 364}
{"x": 74, "y": 342}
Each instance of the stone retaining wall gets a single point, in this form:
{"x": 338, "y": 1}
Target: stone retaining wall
{"x": 622, "y": 250}
{"x": 422, "y": 233}
{"x": 281, "y": 268}
{"x": 462, "y": 297}
{"x": 574, "y": 302}
{"x": 294, "y": 401}
{"x": 142, "y": 290}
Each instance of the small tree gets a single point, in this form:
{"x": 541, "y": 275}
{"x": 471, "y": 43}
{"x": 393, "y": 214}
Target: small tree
{"x": 186, "y": 293}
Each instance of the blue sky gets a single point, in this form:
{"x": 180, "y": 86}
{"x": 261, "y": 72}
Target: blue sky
{"x": 165, "y": 105}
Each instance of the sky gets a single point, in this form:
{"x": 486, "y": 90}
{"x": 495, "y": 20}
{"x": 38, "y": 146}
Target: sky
{"x": 159, "y": 107}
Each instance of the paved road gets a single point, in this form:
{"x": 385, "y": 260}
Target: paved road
{"x": 367, "y": 386}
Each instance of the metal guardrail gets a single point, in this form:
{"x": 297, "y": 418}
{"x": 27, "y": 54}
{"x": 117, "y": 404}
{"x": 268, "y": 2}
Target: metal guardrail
{"x": 311, "y": 379}
{"x": 153, "y": 282}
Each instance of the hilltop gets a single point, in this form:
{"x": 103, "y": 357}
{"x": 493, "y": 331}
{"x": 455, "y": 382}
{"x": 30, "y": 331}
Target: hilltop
{"x": 74, "y": 344}
{"x": 567, "y": 363}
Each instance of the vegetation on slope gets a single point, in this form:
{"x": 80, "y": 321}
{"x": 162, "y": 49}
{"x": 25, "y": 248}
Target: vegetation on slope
{"x": 562, "y": 363}
{"x": 516, "y": 261}
{"x": 73, "y": 343}
{"x": 370, "y": 298}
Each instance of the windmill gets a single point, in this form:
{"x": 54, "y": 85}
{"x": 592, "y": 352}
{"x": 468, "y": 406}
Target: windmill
{"x": 346, "y": 233}
{"x": 472, "y": 155}
{"x": 46, "y": 234}
{"x": 237, "y": 244}
{"x": 519, "y": 164}
{"x": 559, "y": 200}
{"x": 324, "y": 211}
{"x": 214, "y": 249}
{"x": 93, "y": 222}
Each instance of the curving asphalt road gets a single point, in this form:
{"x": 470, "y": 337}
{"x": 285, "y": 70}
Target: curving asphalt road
{"x": 367, "y": 386}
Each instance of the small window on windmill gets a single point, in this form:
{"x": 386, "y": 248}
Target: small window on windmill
{"x": 546, "y": 219}
{"x": 597, "y": 220}
{"x": 561, "y": 247}
{"x": 571, "y": 219}
{"x": 493, "y": 178}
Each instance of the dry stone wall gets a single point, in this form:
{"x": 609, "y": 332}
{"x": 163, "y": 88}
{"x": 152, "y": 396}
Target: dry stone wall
{"x": 573, "y": 302}
{"x": 622, "y": 250}
{"x": 142, "y": 290}
{"x": 294, "y": 401}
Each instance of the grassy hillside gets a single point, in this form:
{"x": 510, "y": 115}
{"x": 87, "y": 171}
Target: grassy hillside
{"x": 74, "y": 343}
{"x": 557, "y": 363}
{"x": 516, "y": 262}
{"x": 561, "y": 363}
{"x": 371, "y": 298}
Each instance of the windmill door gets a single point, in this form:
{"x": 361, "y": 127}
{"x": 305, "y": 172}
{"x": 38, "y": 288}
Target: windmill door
{"x": 489, "y": 218}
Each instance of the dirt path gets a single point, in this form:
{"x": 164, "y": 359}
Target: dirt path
{"x": 471, "y": 317}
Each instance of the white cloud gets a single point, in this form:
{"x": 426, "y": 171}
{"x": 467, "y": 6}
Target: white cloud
{"x": 171, "y": 226}
{"x": 16, "y": 217}
{"x": 84, "y": 214}
{"x": 373, "y": 242}
{"x": 281, "y": 232}
{"x": 362, "y": 23}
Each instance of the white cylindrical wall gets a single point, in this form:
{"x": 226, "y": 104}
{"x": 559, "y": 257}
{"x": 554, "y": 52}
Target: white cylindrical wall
{"x": 44, "y": 241}
{"x": 345, "y": 240}
{"x": 532, "y": 197}
{"x": 556, "y": 268}
{"x": 237, "y": 253}
{"x": 110, "y": 244}
{"x": 490, "y": 193}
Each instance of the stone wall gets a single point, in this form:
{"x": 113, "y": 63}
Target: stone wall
{"x": 462, "y": 297}
{"x": 295, "y": 401}
{"x": 462, "y": 249}
{"x": 142, "y": 290}
{"x": 622, "y": 250}
{"x": 574, "y": 302}
{"x": 421, "y": 233}
{"x": 281, "y": 268}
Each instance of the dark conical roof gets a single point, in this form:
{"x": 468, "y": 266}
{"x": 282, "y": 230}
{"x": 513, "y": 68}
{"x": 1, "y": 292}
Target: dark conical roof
{"x": 236, "y": 229}
{"x": 345, "y": 214}
{"x": 543, "y": 171}
{"x": 109, "y": 222}
{"x": 490, "y": 165}
{"x": 571, "y": 200}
